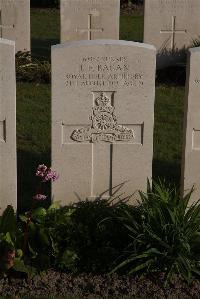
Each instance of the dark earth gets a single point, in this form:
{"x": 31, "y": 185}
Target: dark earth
{"x": 62, "y": 285}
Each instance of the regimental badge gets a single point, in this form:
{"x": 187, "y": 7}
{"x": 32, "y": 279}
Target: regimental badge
{"x": 104, "y": 126}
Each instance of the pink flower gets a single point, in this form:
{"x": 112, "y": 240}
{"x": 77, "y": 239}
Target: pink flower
{"x": 41, "y": 170}
{"x": 47, "y": 174}
{"x": 50, "y": 175}
{"x": 39, "y": 197}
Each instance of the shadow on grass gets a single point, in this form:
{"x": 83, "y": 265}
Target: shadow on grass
{"x": 172, "y": 75}
{"x": 166, "y": 57}
{"x": 27, "y": 163}
{"x": 27, "y": 182}
{"x": 41, "y": 48}
{"x": 168, "y": 171}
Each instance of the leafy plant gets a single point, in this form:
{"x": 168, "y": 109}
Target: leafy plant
{"x": 44, "y": 240}
{"x": 97, "y": 236}
{"x": 10, "y": 253}
{"x": 160, "y": 234}
{"x": 37, "y": 241}
{"x": 31, "y": 69}
{"x": 83, "y": 237}
{"x": 165, "y": 234}
{"x": 36, "y": 237}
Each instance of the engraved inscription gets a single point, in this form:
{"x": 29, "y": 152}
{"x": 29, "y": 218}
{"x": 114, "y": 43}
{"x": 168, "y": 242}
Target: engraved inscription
{"x": 88, "y": 3}
{"x": 104, "y": 126}
{"x": 197, "y": 81}
{"x": 108, "y": 72}
{"x": 173, "y": 5}
{"x": 3, "y": 131}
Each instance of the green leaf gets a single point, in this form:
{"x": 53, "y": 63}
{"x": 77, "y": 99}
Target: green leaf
{"x": 196, "y": 271}
{"x": 19, "y": 253}
{"x": 164, "y": 233}
{"x": 20, "y": 266}
{"x": 124, "y": 263}
{"x": 7, "y": 238}
{"x": 169, "y": 272}
{"x": 43, "y": 237}
{"x": 54, "y": 206}
{"x": 23, "y": 218}
{"x": 68, "y": 257}
{"x": 8, "y": 221}
{"x": 157, "y": 238}
{"x": 54, "y": 245}
{"x": 39, "y": 213}
{"x": 142, "y": 266}
{"x": 32, "y": 251}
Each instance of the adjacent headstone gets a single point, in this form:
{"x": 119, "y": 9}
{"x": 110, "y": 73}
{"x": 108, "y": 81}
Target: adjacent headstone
{"x": 8, "y": 161}
{"x": 171, "y": 26}
{"x": 15, "y": 23}
{"x": 102, "y": 117}
{"x": 89, "y": 19}
{"x": 191, "y": 143}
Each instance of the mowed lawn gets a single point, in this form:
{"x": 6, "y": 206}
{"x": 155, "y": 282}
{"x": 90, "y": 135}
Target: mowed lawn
{"x": 34, "y": 110}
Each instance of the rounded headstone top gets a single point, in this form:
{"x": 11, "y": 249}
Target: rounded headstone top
{"x": 104, "y": 42}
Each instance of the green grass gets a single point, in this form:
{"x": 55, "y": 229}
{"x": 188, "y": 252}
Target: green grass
{"x": 33, "y": 135}
{"x": 45, "y": 31}
{"x": 45, "y": 24}
{"x": 131, "y": 27}
{"x": 168, "y": 132}
{"x": 34, "y": 117}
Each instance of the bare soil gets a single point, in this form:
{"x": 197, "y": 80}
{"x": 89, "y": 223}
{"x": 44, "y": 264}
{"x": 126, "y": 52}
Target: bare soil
{"x": 62, "y": 285}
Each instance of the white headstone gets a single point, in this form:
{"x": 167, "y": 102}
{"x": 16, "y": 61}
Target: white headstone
{"x": 15, "y": 23}
{"x": 171, "y": 26}
{"x": 8, "y": 161}
{"x": 89, "y": 19}
{"x": 102, "y": 117}
{"x": 191, "y": 143}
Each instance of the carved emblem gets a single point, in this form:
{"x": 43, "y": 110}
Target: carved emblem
{"x": 104, "y": 125}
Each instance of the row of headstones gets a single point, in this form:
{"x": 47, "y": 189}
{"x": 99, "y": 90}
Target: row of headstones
{"x": 102, "y": 119}
{"x": 105, "y": 147}
{"x": 80, "y": 19}
{"x": 15, "y": 23}
{"x": 169, "y": 25}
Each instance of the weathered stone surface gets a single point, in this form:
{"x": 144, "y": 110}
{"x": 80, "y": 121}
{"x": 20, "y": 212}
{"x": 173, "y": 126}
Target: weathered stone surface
{"x": 15, "y": 22}
{"x": 8, "y": 161}
{"x": 89, "y": 19}
{"x": 191, "y": 143}
{"x": 102, "y": 117}
{"x": 171, "y": 26}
